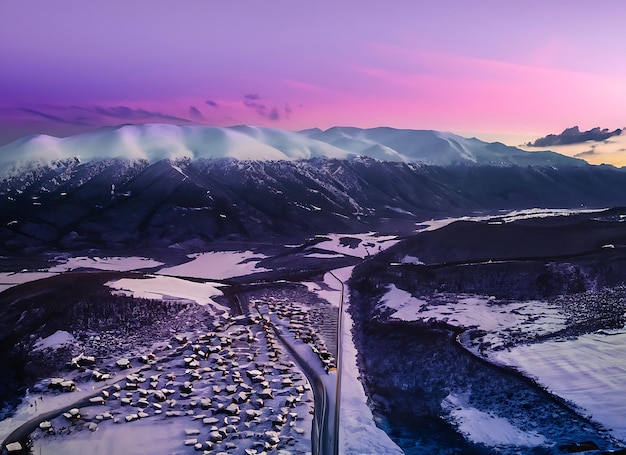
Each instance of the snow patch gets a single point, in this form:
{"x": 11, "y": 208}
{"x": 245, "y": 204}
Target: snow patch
{"x": 218, "y": 265}
{"x": 485, "y": 427}
{"x": 119, "y": 264}
{"x": 589, "y": 371}
{"x": 56, "y": 340}
{"x": 411, "y": 260}
{"x": 368, "y": 244}
{"x": 10, "y": 279}
{"x": 168, "y": 288}
{"x": 499, "y": 320}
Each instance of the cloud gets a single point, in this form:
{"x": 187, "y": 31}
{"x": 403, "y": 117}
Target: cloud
{"x": 212, "y": 103}
{"x": 274, "y": 115}
{"x": 251, "y": 101}
{"x": 271, "y": 112}
{"x": 586, "y": 153}
{"x": 55, "y": 118}
{"x": 195, "y": 113}
{"x": 128, "y": 113}
{"x": 575, "y": 136}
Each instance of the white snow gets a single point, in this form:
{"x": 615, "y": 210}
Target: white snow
{"x": 56, "y": 340}
{"x": 10, "y": 279}
{"x": 358, "y": 434}
{"x": 370, "y": 244}
{"x": 218, "y": 265}
{"x": 155, "y": 142}
{"x": 120, "y": 264}
{"x": 143, "y": 436}
{"x": 411, "y": 260}
{"x": 499, "y": 319}
{"x": 323, "y": 255}
{"x": 506, "y": 217}
{"x": 168, "y": 288}
{"x": 485, "y": 427}
{"x": 589, "y": 371}
{"x": 407, "y": 307}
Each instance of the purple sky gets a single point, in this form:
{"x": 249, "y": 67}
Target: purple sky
{"x": 523, "y": 68}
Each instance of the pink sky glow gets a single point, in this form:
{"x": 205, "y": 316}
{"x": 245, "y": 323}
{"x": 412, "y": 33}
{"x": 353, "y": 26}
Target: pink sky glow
{"x": 509, "y": 70}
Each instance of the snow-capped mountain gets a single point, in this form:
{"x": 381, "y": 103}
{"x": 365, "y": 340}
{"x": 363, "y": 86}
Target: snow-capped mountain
{"x": 158, "y": 185}
{"x": 154, "y": 142}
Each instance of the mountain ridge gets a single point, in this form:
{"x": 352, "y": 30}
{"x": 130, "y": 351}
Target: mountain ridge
{"x": 154, "y": 142}
{"x": 113, "y": 203}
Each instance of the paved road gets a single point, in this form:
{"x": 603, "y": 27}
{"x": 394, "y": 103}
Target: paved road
{"x": 323, "y": 435}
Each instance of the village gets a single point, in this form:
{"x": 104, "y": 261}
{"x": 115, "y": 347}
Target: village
{"x": 233, "y": 389}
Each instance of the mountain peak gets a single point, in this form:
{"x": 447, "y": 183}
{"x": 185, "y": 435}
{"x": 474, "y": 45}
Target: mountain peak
{"x": 154, "y": 142}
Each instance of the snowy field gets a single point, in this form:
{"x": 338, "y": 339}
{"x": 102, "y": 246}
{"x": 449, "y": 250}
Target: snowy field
{"x": 485, "y": 427}
{"x": 505, "y": 217}
{"x": 501, "y": 320}
{"x": 119, "y": 264}
{"x": 169, "y": 288}
{"x": 589, "y": 371}
{"x": 10, "y": 279}
{"x": 369, "y": 244}
{"x": 218, "y": 265}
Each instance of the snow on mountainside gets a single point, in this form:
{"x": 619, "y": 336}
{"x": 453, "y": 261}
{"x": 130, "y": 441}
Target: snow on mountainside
{"x": 154, "y": 142}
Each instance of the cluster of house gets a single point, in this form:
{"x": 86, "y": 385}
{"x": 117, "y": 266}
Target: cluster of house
{"x": 301, "y": 324}
{"x": 232, "y": 389}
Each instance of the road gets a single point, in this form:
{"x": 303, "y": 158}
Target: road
{"x": 323, "y": 434}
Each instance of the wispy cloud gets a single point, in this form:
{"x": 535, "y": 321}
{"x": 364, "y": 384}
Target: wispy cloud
{"x": 195, "y": 113}
{"x": 212, "y": 103}
{"x": 272, "y": 111}
{"x": 54, "y": 118}
{"x": 128, "y": 113}
{"x": 251, "y": 101}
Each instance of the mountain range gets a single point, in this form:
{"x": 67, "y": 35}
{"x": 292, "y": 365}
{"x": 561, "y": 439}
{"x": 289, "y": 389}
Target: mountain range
{"x": 161, "y": 185}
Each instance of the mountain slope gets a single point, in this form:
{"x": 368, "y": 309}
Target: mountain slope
{"x": 154, "y": 142}
{"x": 112, "y": 202}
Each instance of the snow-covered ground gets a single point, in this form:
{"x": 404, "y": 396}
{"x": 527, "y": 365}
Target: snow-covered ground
{"x": 120, "y": 264}
{"x": 485, "y": 427}
{"x": 218, "y": 265}
{"x": 369, "y": 244}
{"x": 10, "y": 279}
{"x": 54, "y": 341}
{"x": 169, "y": 288}
{"x": 505, "y": 217}
{"x": 589, "y": 371}
{"x": 501, "y": 320}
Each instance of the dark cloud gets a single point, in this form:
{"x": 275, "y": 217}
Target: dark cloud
{"x": 195, "y": 113}
{"x": 274, "y": 115}
{"x": 586, "y": 153}
{"x": 212, "y": 103}
{"x": 127, "y": 113}
{"x": 251, "y": 102}
{"x": 575, "y": 136}
{"x": 54, "y": 118}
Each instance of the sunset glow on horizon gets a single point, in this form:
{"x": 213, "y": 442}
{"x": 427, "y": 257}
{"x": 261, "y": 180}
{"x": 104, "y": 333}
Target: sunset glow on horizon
{"x": 504, "y": 69}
